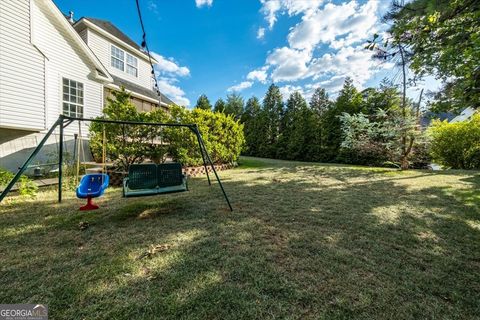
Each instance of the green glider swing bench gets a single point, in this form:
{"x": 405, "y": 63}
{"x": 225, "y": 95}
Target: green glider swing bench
{"x": 151, "y": 179}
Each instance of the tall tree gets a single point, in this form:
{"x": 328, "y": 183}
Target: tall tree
{"x": 297, "y": 134}
{"x": 319, "y": 104}
{"x": 253, "y": 126}
{"x": 219, "y": 106}
{"x": 272, "y": 113}
{"x": 203, "y": 103}
{"x": 395, "y": 49}
{"x": 444, "y": 37}
{"x": 348, "y": 101}
{"x": 234, "y": 105}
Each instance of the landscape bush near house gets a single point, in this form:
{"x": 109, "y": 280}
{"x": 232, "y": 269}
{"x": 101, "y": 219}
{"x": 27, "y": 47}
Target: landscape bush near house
{"x": 456, "y": 145}
{"x": 128, "y": 144}
{"x": 222, "y": 134}
{"x": 26, "y": 187}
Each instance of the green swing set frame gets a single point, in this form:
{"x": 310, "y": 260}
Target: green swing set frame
{"x": 64, "y": 121}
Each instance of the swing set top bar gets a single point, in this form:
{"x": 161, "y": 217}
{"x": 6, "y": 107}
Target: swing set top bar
{"x": 156, "y": 124}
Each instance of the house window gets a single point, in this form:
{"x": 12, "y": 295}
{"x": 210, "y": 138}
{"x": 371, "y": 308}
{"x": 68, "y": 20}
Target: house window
{"x": 118, "y": 58}
{"x": 73, "y": 95}
{"x": 132, "y": 65}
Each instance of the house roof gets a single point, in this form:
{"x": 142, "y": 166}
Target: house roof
{"x": 141, "y": 90}
{"x": 113, "y": 30}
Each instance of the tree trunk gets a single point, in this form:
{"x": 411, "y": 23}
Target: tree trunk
{"x": 404, "y": 164}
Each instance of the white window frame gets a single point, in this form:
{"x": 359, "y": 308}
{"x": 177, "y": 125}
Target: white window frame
{"x": 75, "y": 100}
{"x": 112, "y": 58}
{"x": 127, "y": 66}
{"x": 134, "y": 67}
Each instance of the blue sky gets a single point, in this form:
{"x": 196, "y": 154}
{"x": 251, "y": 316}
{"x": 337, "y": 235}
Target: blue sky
{"x": 221, "y": 46}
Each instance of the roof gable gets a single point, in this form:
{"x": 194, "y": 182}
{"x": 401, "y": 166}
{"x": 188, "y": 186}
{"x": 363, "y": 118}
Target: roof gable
{"x": 113, "y": 30}
{"x": 110, "y": 31}
{"x": 102, "y": 72}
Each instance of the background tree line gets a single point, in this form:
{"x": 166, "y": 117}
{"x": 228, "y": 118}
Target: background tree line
{"x": 357, "y": 127}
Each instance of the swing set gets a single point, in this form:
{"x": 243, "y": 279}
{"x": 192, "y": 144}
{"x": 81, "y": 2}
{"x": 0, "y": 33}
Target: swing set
{"x": 143, "y": 179}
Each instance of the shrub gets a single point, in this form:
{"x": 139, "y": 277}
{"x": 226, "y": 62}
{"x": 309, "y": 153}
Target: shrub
{"x": 223, "y": 136}
{"x": 456, "y": 145}
{"x": 376, "y": 139}
{"x": 26, "y": 187}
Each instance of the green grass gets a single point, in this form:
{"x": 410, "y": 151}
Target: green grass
{"x": 306, "y": 241}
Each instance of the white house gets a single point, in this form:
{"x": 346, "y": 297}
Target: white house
{"x": 49, "y": 66}
{"x": 465, "y": 115}
{"x": 125, "y": 61}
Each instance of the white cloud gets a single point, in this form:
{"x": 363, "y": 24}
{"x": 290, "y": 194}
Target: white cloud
{"x": 169, "y": 66}
{"x": 340, "y": 25}
{"x": 241, "y": 86}
{"x": 343, "y": 28}
{"x": 289, "y": 64}
{"x": 287, "y": 90}
{"x": 272, "y": 8}
{"x": 201, "y": 3}
{"x": 167, "y": 72}
{"x": 269, "y": 9}
{"x": 258, "y": 75}
{"x": 355, "y": 62}
{"x": 167, "y": 87}
{"x": 260, "y": 33}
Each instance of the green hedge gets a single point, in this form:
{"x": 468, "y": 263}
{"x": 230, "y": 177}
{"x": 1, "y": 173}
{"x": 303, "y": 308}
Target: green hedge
{"x": 223, "y": 135}
{"x": 456, "y": 145}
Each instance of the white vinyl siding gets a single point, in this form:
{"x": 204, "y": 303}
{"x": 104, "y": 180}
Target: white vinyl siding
{"x": 65, "y": 60}
{"x": 102, "y": 48}
{"x": 73, "y": 101}
{"x": 22, "y": 70}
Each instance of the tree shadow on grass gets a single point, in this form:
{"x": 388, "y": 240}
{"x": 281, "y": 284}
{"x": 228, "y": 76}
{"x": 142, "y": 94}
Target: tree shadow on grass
{"x": 291, "y": 249}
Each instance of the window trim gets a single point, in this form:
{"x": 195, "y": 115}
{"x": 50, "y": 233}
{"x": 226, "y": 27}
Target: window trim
{"x": 124, "y": 61}
{"x": 127, "y": 64}
{"x": 113, "y": 57}
{"x": 70, "y": 103}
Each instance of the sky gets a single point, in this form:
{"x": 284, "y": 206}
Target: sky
{"x": 216, "y": 47}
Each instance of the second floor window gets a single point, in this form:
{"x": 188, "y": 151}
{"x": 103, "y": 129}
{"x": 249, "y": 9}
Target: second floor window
{"x": 124, "y": 61}
{"x": 132, "y": 65}
{"x": 72, "y": 98}
{"x": 118, "y": 58}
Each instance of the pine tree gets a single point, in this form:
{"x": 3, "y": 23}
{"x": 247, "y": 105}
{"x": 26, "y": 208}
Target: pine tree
{"x": 271, "y": 115}
{"x": 297, "y": 133}
{"x": 319, "y": 105}
{"x": 348, "y": 101}
{"x": 203, "y": 103}
{"x": 219, "y": 106}
{"x": 254, "y": 132}
{"x": 234, "y": 105}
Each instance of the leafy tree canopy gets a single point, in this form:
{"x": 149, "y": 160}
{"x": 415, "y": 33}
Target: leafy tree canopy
{"x": 444, "y": 39}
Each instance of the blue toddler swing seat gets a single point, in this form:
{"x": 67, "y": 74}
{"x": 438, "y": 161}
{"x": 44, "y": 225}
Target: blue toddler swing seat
{"x": 92, "y": 186}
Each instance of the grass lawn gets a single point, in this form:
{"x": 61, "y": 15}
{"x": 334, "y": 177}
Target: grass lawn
{"x": 305, "y": 241}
